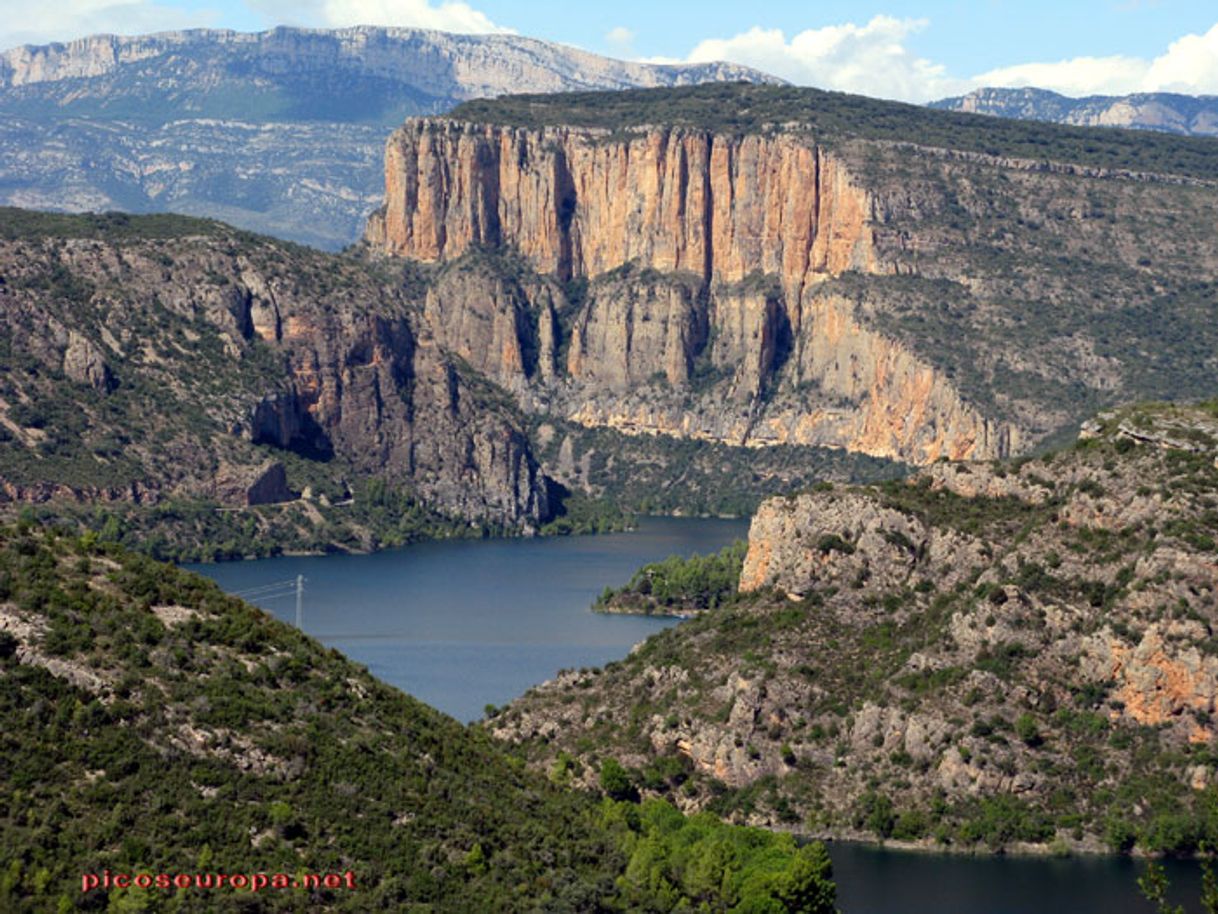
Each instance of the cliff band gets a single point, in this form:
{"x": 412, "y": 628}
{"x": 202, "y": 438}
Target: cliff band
{"x": 704, "y": 256}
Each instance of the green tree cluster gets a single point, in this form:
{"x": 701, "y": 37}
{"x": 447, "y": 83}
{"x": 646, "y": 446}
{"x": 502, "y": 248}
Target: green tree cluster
{"x": 698, "y": 863}
{"x": 680, "y": 584}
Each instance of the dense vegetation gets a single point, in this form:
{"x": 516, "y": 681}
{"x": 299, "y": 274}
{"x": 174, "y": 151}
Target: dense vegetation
{"x": 150, "y": 723}
{"x": 659, "y": 474}
{"x": 579, "y": 513}
{"x": 678, "y": 585}
{"x": 28, "y": 224}
{"x": 374, "y": 516}
{"x": 747, "y": 108}
{"x": 698, "y": 863}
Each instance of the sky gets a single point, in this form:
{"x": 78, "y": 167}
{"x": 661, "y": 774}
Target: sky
{"x": 908, "y": 51}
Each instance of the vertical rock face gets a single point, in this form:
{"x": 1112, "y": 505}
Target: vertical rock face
{"x": 633, "y": 331}
{"x": 905, "y": 406}
{"x": 262, "y": 485}
{"x": 581, "y": 203}
{"x": 84, "y": 362}
{"x": 391, "y": 400}
{"x": 704, "y": 256}
{"x": 485, "y": 319}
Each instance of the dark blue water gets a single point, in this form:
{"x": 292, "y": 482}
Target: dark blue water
{"x": 877, "y": 881}
{"x": 466, "y": 623}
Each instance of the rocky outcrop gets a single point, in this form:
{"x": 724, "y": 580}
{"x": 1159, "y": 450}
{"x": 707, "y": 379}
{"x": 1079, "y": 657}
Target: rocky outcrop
{"x": 85, "y": 363}
{"x": 1025, "y": 636}
{"x": 1164, "y": 679}
{"x": 29, "y": 633}
{"x": 245, "y": 486}
{"x": 835, "y": 538}
{"x": 232, "y": 345}
{"x": 705, "y": 254}
{"x": 41, "y": 492}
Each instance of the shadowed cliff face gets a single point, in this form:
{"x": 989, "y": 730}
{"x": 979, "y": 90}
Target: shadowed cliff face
{"x": 704, "y": 256}
{"x": 144, "y": 369}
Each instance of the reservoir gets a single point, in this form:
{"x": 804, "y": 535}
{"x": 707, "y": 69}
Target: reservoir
{"x": 465, "y": 623}
{"x": 873, "y": 880}
{"x": 461, "y": 624}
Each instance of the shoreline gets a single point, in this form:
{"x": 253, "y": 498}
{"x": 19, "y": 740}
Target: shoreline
{"x": 632, "y": 526}
{"x": 1088, "y": 847}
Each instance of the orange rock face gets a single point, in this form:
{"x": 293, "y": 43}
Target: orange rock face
{"x": 577, "y": 203}
{"x": 698, "y": 247}
{"x": 1158, "y": 685}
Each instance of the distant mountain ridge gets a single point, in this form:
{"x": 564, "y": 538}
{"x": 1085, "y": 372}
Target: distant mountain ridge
{"x": 279, "y": 131}
{"x": 1188, "y": 115}
{"x": 446, "y": 67}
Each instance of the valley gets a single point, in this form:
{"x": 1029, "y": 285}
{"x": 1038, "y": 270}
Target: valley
{"x": 954, "y": 373}
{"x": 153, "y": 724}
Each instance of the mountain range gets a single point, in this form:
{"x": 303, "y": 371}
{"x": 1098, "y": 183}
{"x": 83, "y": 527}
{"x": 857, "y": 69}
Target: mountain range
{"x": 279, "y": 132}
{"x": 657, "y": 298}
{"x": 1189, "y": 115}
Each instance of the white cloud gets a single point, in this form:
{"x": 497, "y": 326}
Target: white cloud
{"x": 870, "y": 59}
{"x": 23, "y": 22}
{"x": 873, "y": 59}
{"x": 1078, "y": 76}
{"x": 446, "y": 16}
{"x": 620, "y": 37}
{"x": 1189, "y": 65}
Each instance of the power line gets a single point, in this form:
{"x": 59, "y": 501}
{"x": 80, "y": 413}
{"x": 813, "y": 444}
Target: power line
{"x": 273, "y": 586}
{"x": 275, "y": 591}
{"x": 299, "y": 596}
{"x": 274, "y": 595}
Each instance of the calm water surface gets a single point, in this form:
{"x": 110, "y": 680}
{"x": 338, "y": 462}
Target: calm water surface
{"x": 466, "y": 623}
{"x": 876, "y": 881}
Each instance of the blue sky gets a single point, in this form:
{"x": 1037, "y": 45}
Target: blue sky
{"x": 913, "y": 51}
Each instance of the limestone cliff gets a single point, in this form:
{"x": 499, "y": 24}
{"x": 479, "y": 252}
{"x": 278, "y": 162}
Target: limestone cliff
{"x": 763, "y": 265}
{"x": 144, "y": 368}
{"x": 581, "y": 202}
{"x": 705, "y": 253}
